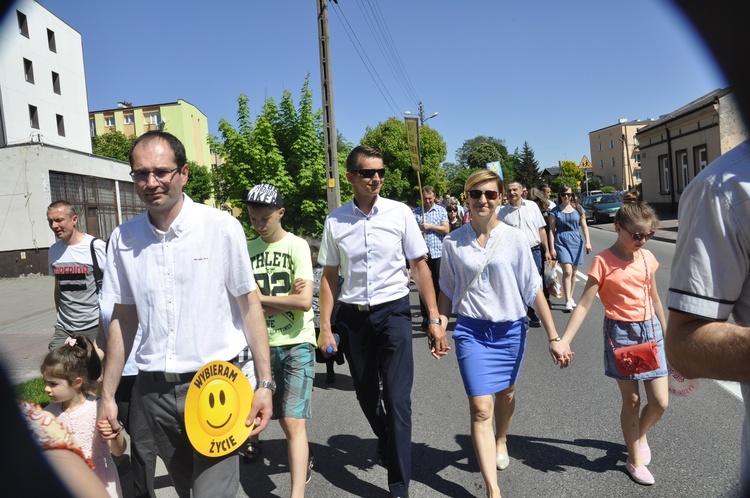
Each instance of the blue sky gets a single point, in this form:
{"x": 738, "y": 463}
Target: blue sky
{"x": 546, "y": 72}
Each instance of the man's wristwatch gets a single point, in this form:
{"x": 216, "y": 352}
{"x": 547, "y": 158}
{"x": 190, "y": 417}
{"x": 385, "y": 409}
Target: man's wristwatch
{"x": 268, "y": 384}
{"x": 435, "y": 321}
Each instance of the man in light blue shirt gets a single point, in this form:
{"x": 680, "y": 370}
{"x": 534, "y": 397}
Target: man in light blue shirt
{"x": 433, "y": 220}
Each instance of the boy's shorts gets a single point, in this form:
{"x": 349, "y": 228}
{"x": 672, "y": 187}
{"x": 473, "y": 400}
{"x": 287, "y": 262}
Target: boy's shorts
{"x": 293, "y": 369}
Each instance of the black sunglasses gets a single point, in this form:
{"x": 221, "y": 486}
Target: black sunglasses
{"x": 452, "y": 210}
{"x": 566, "y": 195}
{"x": 490, "y": 195}
{"x": 639, "y": 236}
{"x": 369, "y": 173}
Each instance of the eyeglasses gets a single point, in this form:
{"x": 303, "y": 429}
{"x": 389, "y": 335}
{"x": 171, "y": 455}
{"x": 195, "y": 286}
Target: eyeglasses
{"x": 490, "y": 195}
{"x": 370, "y": 173}
{"x": 639, "y": 236}
{"x": 566, "y": 195}
{"x": 453, "y": 210}
{"x": 160, "y": 174}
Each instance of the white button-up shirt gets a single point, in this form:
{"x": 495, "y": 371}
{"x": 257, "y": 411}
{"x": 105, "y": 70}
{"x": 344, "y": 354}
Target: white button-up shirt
{"x": 371, "y": 251}
{"x": 183, "y": 283}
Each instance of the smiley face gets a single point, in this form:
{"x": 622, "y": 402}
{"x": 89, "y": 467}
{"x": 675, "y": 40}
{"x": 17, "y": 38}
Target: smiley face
{"x": 218, "y": 407}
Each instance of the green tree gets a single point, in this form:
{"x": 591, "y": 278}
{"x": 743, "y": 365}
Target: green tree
{"x": 200, "y": 184}
{"x": 474, "y": 154}
{"x": 570, "y": 169}
{"x": 282, "y": 146}
{"x": 113, "y": 144}
{"x": 570, "y": 181}
{"x": 527, "y": 167}
{"x": 401, "y": 182}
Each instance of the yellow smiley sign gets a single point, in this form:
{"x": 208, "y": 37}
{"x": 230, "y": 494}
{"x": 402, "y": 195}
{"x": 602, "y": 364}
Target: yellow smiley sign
{"x": 216, "y": 407}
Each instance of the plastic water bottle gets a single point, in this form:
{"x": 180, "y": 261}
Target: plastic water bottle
{"x": 329, "y": 349}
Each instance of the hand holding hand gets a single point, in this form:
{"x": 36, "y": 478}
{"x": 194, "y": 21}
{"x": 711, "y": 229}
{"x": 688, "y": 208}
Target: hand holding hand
{"x": 437, "y": 339}
{"x": 108, "y": 414}
{"x": 561, "y": 353}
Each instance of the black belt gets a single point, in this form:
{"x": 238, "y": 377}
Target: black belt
{"x": 538, "y": 246}
{"x": 367, "y": 307}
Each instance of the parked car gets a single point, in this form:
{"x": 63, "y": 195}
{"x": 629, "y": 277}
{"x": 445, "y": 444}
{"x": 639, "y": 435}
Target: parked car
{"x": 601, "y": 208}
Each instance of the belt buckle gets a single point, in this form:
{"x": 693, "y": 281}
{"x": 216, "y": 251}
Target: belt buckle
{"x": 172, "y": 377}
{"x": 363, "y": 307}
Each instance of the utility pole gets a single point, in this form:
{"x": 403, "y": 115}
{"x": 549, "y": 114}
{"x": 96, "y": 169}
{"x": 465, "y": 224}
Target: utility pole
{"x": 330, "y": 139}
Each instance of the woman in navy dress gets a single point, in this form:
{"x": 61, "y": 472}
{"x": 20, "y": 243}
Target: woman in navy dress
{"x": 566, "y": 245}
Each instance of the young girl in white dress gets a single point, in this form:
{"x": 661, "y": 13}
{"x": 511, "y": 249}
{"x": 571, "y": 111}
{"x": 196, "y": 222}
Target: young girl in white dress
{"x": 70, "y": 373}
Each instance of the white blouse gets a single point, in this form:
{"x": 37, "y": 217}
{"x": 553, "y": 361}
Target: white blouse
{"x": 508, "y": 284}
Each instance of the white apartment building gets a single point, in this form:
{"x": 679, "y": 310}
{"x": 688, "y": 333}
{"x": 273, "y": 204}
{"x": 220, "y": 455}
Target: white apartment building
{"x": 45, "y": 146}
{"x": 42, "y": 80}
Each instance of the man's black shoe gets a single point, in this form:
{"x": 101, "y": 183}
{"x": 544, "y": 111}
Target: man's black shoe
{"x": 382, "y": 453}
{"x": 401, "y": 496}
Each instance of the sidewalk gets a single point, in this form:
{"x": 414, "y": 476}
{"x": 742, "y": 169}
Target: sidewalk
{"x": 27, "y": 319}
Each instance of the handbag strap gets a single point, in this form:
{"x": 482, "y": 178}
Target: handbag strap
{"x": 486, "y": 260}
{"x": 649, "y": 300}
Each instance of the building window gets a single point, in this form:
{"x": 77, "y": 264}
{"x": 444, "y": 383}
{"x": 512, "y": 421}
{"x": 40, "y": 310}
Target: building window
{"x": 701, "y": 159}
{"x": 613, "y": 162}
{"x": 33, "y": 117}
{"x": 109, "y": 121}
{"x": 23, "y": 25}
{"x": 601, "y": 163}
{"x": 28, "y": 70}
{"x": 638, "y": 158}
{"x": 56, "y": 83}
{"x": 611, "y": 144}
{"x": 664, "y": 176}
{"x": 92, "y": 127}
{"x": 129, "y": 119}
{"x": 151, "y": 118}
{"x": 614, "y": 180}
{"x": 60, "y": 125}
{"x": 683, "y": 162}
{"x": 600, "y": 146}
{"x": 51, "y": 41}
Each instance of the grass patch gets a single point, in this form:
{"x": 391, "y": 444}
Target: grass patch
{"x": 32, "y": 391}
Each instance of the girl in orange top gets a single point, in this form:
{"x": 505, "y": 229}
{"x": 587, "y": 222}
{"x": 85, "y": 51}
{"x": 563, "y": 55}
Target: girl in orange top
{"x": 623, "y": 275}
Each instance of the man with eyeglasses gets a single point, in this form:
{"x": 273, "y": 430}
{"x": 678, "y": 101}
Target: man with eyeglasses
{"x": 433, "y": 221}
{"x": 182, "y": 272}
{"x": 369, "y": 241}
{"x": 711, "y": 282}
{"x": 525, "y": 215}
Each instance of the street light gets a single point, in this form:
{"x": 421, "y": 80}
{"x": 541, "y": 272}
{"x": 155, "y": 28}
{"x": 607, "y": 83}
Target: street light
{"x": 422, "y": 119}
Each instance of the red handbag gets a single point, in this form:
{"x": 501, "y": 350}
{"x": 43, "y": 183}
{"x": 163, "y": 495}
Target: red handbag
{"x": 638, "y": 358}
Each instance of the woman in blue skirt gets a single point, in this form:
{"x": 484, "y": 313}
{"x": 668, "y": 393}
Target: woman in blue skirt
{"x": 488, "y": 278}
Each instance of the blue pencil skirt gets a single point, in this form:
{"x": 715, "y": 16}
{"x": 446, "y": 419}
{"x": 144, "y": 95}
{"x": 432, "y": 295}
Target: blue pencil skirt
{"x": 489, "y": 353}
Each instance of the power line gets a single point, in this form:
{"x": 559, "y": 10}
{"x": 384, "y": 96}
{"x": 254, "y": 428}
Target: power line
{"x": 368, "y": 64}
{"x": 379, "y": 29}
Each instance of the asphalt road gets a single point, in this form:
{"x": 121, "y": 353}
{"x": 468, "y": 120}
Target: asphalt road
{"x": 565, "y": 440}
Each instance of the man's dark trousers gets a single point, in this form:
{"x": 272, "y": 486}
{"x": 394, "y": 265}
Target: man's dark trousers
{"x": 434, "y": 265}
{"x": 381, "y": 341}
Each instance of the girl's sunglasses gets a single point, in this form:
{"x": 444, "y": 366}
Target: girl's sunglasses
{"x": 639, "y": 236}
{"x": 490, "y": 195}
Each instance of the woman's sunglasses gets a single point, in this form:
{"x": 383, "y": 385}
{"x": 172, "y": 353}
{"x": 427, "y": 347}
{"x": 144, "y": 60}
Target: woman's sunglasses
{"x": 639, "y": 236}
{"x": 453, "y": 210}
{"x": 490, "y": 195}
{"x": 566, "y": 195}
